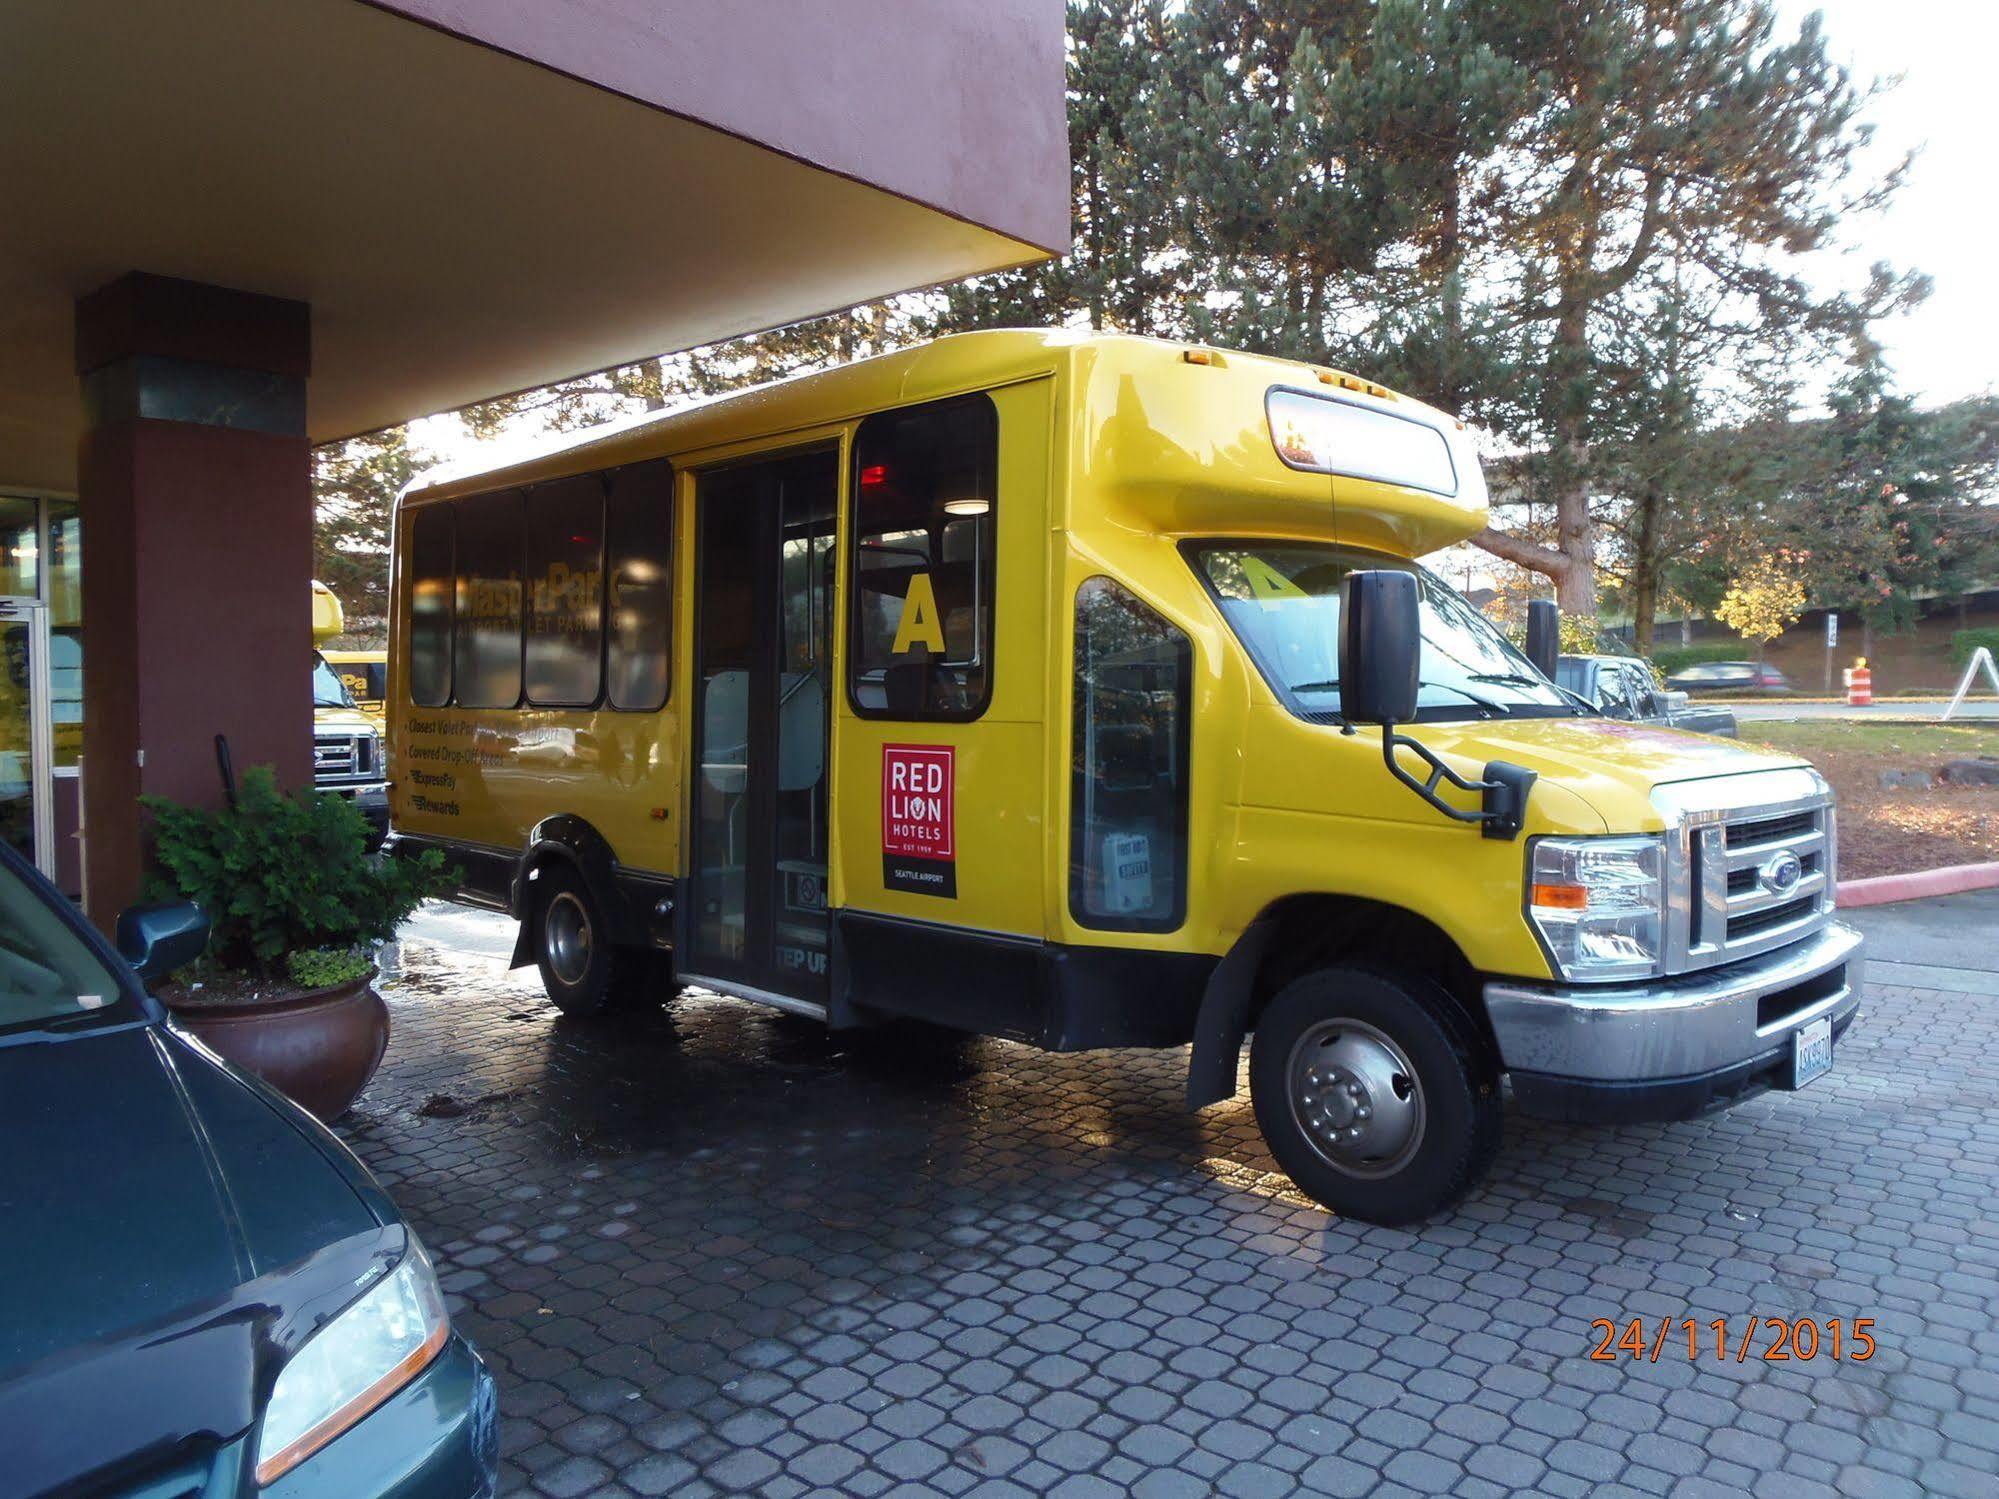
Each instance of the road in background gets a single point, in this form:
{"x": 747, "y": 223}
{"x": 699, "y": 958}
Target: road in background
{"x": 1898, "y": 710}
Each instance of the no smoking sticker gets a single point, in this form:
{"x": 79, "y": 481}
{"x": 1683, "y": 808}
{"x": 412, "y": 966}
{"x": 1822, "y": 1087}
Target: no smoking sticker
{"x": 919, "y": 828}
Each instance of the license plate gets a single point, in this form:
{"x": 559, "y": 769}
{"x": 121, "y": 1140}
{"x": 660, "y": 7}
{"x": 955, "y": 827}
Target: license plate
{"x": 1811, "y": 1051}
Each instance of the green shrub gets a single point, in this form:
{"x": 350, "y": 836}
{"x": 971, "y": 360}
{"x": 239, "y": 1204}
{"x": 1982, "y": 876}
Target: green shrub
{"x": 278, "y": 875}
{"x": 323, "y": 967}
{"x": 1964, "y": 642}
{"x": 1672, "y": 658}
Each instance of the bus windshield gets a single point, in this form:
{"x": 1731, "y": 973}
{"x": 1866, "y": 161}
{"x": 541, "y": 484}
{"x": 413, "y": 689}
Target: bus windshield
{"x": 328, "y": 691}
{"x": 1282, "y": 599}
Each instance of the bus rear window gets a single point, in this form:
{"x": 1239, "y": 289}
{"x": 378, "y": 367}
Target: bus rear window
{"x": 924, "y": 499}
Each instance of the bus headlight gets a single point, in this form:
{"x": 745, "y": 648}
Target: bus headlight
{"x": 1599, "y": 905}
{"x": 351, "y": 1365}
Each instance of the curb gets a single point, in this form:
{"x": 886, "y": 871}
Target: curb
{"x": 1953, "y": 879}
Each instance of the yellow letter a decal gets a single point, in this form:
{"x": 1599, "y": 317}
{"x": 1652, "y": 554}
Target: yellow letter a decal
{"x": 919, "y": 618}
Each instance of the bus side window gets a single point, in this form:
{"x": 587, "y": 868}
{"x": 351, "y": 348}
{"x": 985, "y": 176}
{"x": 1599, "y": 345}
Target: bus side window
{"x": 638, "y": 533}
{"x": 1128, "y": 837}
{"x": 431, "y": 573}
{"x": 924, "y": 504}
{"x": 565, "y": 614}
{"x": 487, "y": 657}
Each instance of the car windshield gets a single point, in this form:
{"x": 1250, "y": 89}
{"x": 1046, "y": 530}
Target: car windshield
{"x": 50, "y": 978}
{"x": 1282, "y": 599}
{"x": 328, "y": 691}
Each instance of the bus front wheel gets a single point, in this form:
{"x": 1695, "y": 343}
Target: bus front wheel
{"x": 1374, "y": 1094}
{"x": 582, "y": 971}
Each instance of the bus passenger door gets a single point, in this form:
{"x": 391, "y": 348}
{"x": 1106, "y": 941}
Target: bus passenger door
{"x": 763, "y": 608}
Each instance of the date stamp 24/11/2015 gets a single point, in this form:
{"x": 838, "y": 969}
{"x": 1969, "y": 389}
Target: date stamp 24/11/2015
{"x": 1732, "y": 1339}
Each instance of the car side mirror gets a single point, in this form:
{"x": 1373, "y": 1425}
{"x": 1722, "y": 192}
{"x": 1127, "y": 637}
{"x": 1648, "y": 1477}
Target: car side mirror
{"x": 1544, "y": 636}
{"x": 1381, "y": 647}
{"x": 158, "y": 939}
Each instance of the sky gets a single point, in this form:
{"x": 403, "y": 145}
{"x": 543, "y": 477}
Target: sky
{"x": 1945, "y": 221}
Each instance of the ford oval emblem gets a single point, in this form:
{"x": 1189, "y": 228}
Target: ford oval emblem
{"x": 1780, "y": 875}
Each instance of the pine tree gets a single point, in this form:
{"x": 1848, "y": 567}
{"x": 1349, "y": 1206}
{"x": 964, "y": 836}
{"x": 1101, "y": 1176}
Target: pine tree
{"x": 354, "y": 485}
{"x": 1680, "y": 133}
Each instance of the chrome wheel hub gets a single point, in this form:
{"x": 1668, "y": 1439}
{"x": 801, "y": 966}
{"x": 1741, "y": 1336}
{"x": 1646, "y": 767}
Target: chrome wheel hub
{"x": 1354, "y": 1095}
{"x": 565, "y": 935}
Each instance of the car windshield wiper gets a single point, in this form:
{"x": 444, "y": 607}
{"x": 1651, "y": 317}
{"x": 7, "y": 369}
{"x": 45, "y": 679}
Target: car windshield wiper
{"x": 1516, "y": 678}
{"x": 1484, "y": 702}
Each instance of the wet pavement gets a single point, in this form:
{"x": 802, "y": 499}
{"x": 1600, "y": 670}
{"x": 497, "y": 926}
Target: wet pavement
{"x": 714, "y": 1249}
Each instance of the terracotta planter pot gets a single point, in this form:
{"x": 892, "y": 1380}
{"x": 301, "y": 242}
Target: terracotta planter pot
{"x": 319, "y": 1048}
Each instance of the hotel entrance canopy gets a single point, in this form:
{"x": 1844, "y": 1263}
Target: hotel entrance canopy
{"x": 477, "y": 196}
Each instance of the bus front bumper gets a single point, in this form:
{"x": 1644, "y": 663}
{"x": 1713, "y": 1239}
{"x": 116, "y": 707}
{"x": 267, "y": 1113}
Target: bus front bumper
{"x": 1671, "y": 1048}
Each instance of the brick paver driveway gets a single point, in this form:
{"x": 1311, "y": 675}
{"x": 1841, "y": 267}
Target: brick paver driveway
{"x": 717, "y": 1250}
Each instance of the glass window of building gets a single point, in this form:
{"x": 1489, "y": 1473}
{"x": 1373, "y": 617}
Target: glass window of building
{"x": 20, "y": 547}
{"x": 62, "y": 571}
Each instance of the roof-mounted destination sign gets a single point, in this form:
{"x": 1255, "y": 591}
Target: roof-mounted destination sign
{"x": 1338, "y": 435}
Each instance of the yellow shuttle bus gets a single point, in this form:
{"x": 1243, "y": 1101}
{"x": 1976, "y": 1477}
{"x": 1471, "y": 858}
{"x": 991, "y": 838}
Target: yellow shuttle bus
{"x": 1085, "y": 691}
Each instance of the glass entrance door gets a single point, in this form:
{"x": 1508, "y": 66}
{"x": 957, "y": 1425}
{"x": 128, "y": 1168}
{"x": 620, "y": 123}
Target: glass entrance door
{"x": 763, "y": 644}
{"x": 26, "y": 811}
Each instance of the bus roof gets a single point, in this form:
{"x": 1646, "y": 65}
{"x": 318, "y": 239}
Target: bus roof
{"x": 1186, "y": 429}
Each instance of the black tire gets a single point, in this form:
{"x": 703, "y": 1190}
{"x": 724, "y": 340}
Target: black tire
{"x": 583, "y": 972}
{"x": 1332, "y": 1054}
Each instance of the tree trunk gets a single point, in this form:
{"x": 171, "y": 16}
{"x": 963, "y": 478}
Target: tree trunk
{"x": 1645, "y": 571}
{"x": 1575, "y": 534}
{"x": 1571, "y": 562}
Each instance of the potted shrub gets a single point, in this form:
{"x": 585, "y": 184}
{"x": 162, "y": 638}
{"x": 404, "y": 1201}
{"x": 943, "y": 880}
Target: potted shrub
{"x": 297, "y": 909}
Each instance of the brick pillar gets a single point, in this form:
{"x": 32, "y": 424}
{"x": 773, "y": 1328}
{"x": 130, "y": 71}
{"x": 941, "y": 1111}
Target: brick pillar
{"x": 195, "y": 482}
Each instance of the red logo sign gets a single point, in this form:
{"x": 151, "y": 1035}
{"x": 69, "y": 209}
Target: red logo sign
{"x": 918, "y": 782}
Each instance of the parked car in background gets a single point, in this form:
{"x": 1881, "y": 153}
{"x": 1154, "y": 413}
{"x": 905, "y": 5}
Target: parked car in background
{"x": 202, "y": 1293}
{"x": 346, "y": 732}
{"x": 366, "y": 675}
{"x": 1624, "y": 687}
{"x": 1754, "y": 678}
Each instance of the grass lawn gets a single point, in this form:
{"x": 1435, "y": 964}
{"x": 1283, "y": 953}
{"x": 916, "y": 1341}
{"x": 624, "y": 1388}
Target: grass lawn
{"x": 1891, "y": 831}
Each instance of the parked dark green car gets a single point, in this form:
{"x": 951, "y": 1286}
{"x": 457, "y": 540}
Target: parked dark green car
{"x": 203, "y": 1295}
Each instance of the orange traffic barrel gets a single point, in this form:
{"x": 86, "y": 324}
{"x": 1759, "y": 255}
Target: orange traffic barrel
{"x": 1859, "y": 684}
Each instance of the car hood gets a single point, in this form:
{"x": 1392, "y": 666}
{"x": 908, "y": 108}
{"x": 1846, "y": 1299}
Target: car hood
{"x": 1611, "y": 764}
{"x": 173, "y": 1233}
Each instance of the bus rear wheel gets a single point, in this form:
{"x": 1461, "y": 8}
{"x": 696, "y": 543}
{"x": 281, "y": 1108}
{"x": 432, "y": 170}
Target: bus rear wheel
{"x": 583, "y": 972}
{"x": 1374, "y": 1094}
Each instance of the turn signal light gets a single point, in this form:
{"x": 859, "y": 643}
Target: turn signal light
{"x": 1561, "y": 897}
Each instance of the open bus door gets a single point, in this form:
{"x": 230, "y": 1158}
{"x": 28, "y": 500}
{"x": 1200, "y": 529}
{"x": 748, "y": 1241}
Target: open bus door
{"x": 756, "y": 916}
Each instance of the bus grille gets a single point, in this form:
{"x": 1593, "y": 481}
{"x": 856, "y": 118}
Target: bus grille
{"x": 1750, "y": 878}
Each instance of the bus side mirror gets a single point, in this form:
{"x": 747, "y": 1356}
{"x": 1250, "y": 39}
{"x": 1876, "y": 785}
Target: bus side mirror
{"x": 1381, "y": 645}
{"x": 1544, "y": 636}
{"x": 1381, "y": 641}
